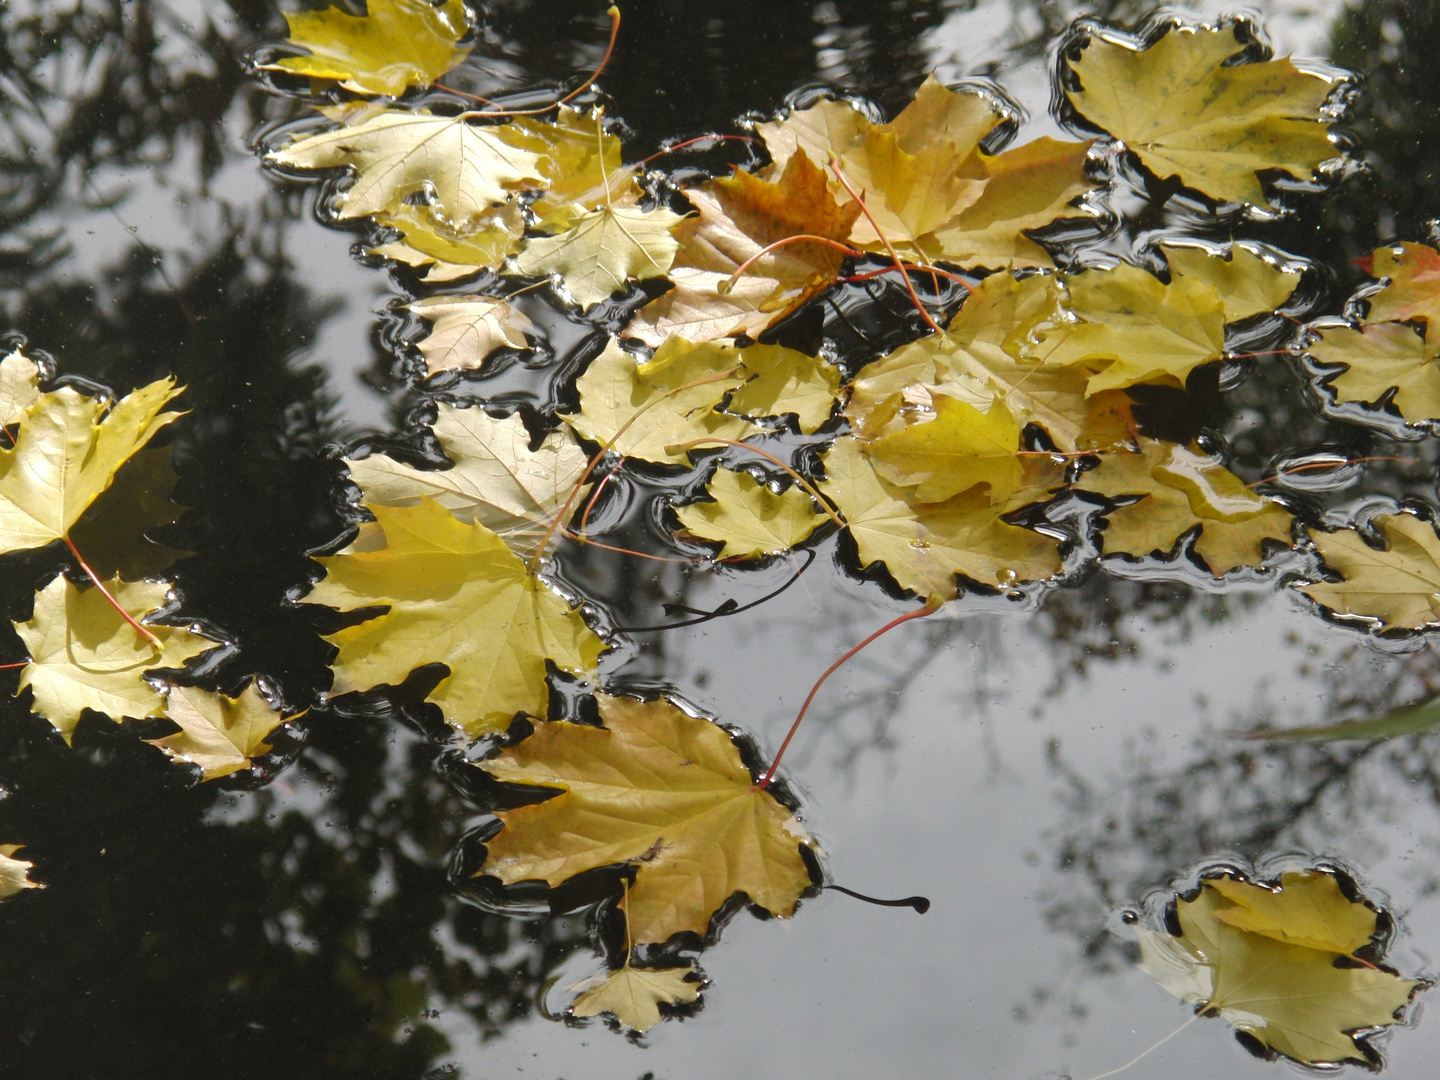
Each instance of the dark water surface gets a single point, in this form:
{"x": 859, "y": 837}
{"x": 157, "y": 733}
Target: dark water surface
{"x": 1030, "y": 767}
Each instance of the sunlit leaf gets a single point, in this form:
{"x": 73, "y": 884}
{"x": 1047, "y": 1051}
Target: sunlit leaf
{"x": 68, "y": 450}
{"x": 19, "y": 386}
{"x": 1399, "y": 586}
{"x": 632, "y": 994}
{"x": 738, "y": 217}
{"x": 398, "y": 153}
{"x": 603, "y": 250}
{"x": 1380, "y": 357}
{"x": 924, "y": 547}
{"x": 580, "y": 161}
{"x": 14, "y": 873}
{"x": 1413, "y": 291}
{"x": 496, "y": 479}
{"x": 1294, "y": 999}
{"x": 658, "y": 789}
{"x": 468, "y": 329}
{"x": 218, "y": 733}
{"x": 786, "y": 381}
{"x": 1245, "y": 283}
{"x": 1183, "y": 489}
{"x": 642, "y": 409}
{"x": 749, "y": 518}
{"x": 84, "y": 655}
{"x": 457, "y": 595}
{"x": 396, "y": 44}
{"x": 1186, "y": 112}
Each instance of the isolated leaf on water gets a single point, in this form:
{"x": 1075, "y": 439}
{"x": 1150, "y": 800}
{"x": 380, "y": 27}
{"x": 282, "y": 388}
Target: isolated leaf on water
{"x": 663, "y": 791}
{"x": 786, "y": 381}
{"x": 67, "y": 451}
{"x": 398, "y": 153}
{"x": 1413, "y": 291}
{"x": 1245, "y": 283}
{"x": 496, "y": 480}
{"x": 1134, "y": 328}
{"x": 639, "y": 409}
{"x": 84, "y": 655}
{"x": 957, "y": 449}
{"x": 114, "y": 532}
{"x": 749, "y": 518}
{"x": 1399, "y": 586}
{"x": 1183, "y": 489}
{"x": 468, "y": 329}
{"x": 633, "y": 994}
{"x": 737, "y": 217}
{"x": 456, "y": 595}
{"x": 218, "y": 733}
{"x": 1184, "y": 111}
{"x": 14, "y": 873}
{"x": 924, "y": 547}
{"x": 1293, "y": 998}
{"x": 603, "y": 250}
{"x": 19, "y": 388}
{"x": 442, "y": 253}
{"x": 396, "y": 44}
{"x": 1381, "y": 357}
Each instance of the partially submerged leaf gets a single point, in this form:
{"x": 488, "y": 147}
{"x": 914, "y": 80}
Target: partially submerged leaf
{"x": 1413, "y": 291}
{"x": 496, "y": 479}
{"x": 84, "y": 655}
{"x": 218, "y": 733}
{"x": 749, "y": 518}
{"x": 1292, "y": 998}
{"x": 457, "y": 595}
{"x": 1186, "y": 112}
{"x": 396, "y": 44}
{"x": 959, "y": 448}
{"x": 1381, "y": 357}
{"x": 68, "y": 450}
{"x": 1399, "y": 586}
{"x": 603, "y": 250}
{"x": 658, "y": 789}
{"x": 468, "y": 329}
{"x": 14, "y": 873}
{"x": 1410, "y": 720}
{"x": 1245, "y": 283}
{"x": 633, "y": 995}
{"x": 444, "y": 253}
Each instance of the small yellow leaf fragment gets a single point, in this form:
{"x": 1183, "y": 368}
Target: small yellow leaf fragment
{"x": 84, "y": 655}
{"x": 15, "y": 873}
{"x": 1399, "y": 586}
{"x": 394, "y": 45}
{"x": 1307, "y": 909}
{"x": 468, "y": 329}
{"x": 1291, "y": 997}
{"x": 19, "y": 387}
{"x": 633, "y": 995}
{"x": 657, "y": 788}
{"x": 218, "y": 733}
{"x": 1186, "y": 112}
{"x": 1413, "y": 291}
{"x": 749, "y": 518}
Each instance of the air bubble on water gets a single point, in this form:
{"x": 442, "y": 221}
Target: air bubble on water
{"x": 920, "y": 545}
{"x": 1008, "y": 578}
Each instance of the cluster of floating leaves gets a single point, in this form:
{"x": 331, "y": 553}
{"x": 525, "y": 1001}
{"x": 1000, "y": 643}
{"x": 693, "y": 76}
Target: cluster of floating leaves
{"x": 956, "y": 462}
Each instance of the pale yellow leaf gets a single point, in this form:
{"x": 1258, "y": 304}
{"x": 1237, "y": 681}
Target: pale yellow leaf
{"x": 603, "y": 250}
{"x": 749, "y": 518}
{"x": 468, "y": 329}
{"x": 218, "y": 733}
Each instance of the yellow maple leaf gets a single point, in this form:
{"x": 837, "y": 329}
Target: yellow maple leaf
{"x": 659, "y": 789}
{"x": 649, "y": 410}
{"x": 218, "y": 733}
{"x": 68, "y": 450}
{"x": 455, "y": 594}
{"x": 14, "y": 873}
{"x": 749, "y": 518}
{"x": 633, "y": 994}
{"x": 738, "y": 217}
{"x": 398, "y": 153}
{"x": 84, "y": 655}
{"x": 957, "y": 449}
{"x": 396, "y": 44}
{"x": 1306, "y": 908}
{"x": 1413, "y": 288}
{"x": 1246, "y": 283}
{"x": 1292, "y": 998}
{"x": 1399, "y": 586}
{"x": 1145, "y": 329}
{"x": 1183, "y": 489}
{"x": 496, "y": 479}
{"x": 468, "y": 329}
{"x": 786, "y": 381}
{"x": 580, "y": 161}
{"x": 442, "y": 253}
{"x": 1186, "y": 112}
{"x": 925, "y": 546}
{"x": 1379, "y": 358}
{"x": 19, "y": 386}
{"x": 602, "y": 250}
